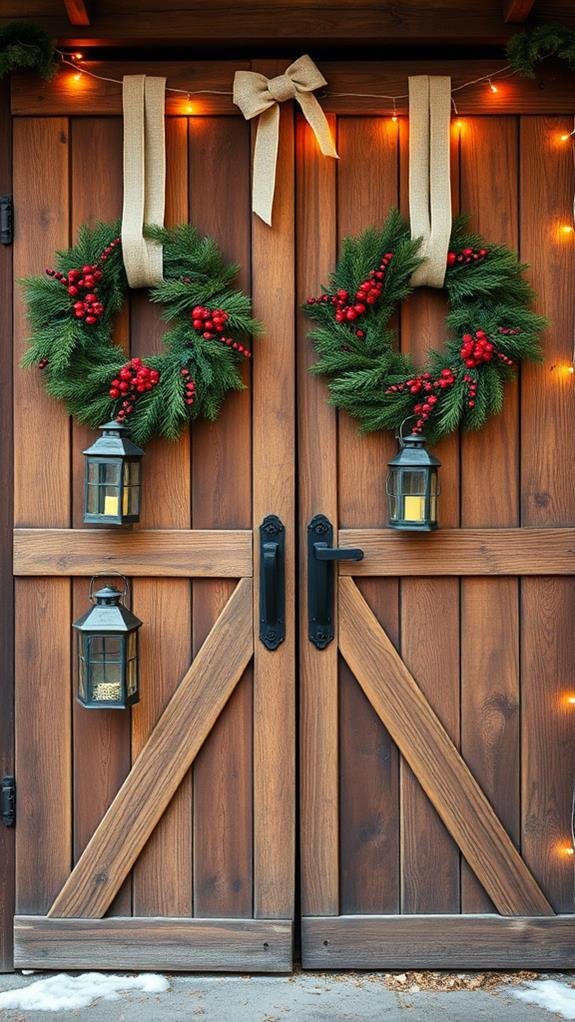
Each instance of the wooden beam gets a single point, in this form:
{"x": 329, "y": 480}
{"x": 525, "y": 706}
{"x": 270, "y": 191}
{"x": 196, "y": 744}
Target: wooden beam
{"x": 434, "y": 759}
{"x": 77, "y": 11}
{"x": 461, "y": 552}
{"x": 163, "y": 762}
{"x": 517, "y": 11}
{"x": 182, "y": 945}
{"x": 167, "y": 553}
{"x": 438, "y": 942}
{"x": 550, "y": 92}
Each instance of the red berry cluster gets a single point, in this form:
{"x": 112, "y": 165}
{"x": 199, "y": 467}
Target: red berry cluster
{"x": 133, "y": 379}
{"x": 467, "y": 255}
{"x": 367, "y": 293}
{"x": 211, "y": 323}
{"x": 190, "y": 387}
{"x": 476, "y": 349}
{"x": 424, "y": 385}
{"x": 109, "y": 249}
{"x": 42, "y": 363}
{"x": 88, "y": 306}
{"x": 471, "y": 390}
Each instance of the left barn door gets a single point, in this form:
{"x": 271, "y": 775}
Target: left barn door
{"x": 161, "y": 837}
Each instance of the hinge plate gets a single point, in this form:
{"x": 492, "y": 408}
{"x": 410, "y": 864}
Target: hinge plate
{"x": 6, "y": 220}
{"x": 8, "y": 801}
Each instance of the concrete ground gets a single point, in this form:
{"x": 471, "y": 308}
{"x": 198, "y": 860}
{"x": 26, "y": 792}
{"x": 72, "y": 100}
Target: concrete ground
{"x": 303, "y": 997}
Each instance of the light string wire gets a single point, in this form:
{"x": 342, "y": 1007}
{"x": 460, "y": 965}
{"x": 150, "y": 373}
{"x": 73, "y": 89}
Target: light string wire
{"x": 74, "y": 61}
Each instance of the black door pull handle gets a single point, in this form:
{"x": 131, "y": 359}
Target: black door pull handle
{"x": 272, "y": 582}
{"x": 321, "y": 558}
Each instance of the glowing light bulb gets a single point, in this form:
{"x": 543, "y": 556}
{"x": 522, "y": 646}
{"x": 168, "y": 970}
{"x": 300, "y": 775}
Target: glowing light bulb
{"x": 568, "y": 850}
{"x": 78, "y": 56}
{"x": 571, "y": 699}
{"x": 565, "y": 137}
{"x": 571, "y": 370}
{"x": 78, "y": 76}
{"x": 493, "y": 87}
{"x": 567, "y": 229}
{"x": 394, "y": 118}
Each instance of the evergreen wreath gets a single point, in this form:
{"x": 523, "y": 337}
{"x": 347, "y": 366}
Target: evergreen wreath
{"x": 72, "y": 311}
{"x": 490, "y": 319}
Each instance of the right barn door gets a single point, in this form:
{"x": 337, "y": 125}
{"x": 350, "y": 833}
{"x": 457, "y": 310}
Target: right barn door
{"x": 438, "y": 727}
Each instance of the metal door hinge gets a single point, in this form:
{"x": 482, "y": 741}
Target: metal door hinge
{"x": 321, "y": 557}
{"x": 8, "y": 801}
{"x": 6, "y": 220}
{"x": 272, "y": 582}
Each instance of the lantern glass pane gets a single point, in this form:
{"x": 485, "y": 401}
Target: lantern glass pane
{"x": 132, "y": 665}
{"x": 92, "y": 497}
{"x": 81, "y": 669}
{"x": 413, "y": 485}
{"x": 434, "y": 491}
{"x": 105, "y": 668}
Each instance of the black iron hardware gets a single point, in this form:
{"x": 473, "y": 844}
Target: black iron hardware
{"x": 321, "y": 556}
{"x": 6, "y": 220}
{"x": 8, "y": 801}
{"x": 272, "y": 582}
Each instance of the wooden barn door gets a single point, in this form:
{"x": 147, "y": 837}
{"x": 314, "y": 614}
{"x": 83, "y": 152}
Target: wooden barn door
{"x": 163, "y": 837}
{"x": 437, "y": 736}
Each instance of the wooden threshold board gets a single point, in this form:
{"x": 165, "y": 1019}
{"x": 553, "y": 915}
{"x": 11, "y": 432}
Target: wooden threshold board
{"x": 187, "y": 945}
{"x": 461, "y": 552}
{"x": 151, "y": 553}
{"x": 438, "y": 942}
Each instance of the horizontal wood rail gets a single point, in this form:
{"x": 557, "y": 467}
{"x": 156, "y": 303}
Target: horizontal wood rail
{"x": 213, "y": 945}
{"x": 461, "y": 552}
{"x": 551, "y": 92}
{"x": 438, "y": 942}
{"x": 151, "y": 553}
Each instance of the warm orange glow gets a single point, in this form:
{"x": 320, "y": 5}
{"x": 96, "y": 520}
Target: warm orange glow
{"x": 78, "y": 56}
{"x": 565, "y": 137}
{"x": 493, "y": 87}
{"x": 394, "y": 118}
{"x": 571, "y": 699}
{"x": 567, "y": 850}
{"x": 567, "y": 229}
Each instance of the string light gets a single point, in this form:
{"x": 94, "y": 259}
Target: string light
{"x": 492, "y": 87}
{"x": 394, "y": 114}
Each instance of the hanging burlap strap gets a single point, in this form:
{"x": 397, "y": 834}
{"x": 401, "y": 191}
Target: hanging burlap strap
{"x": 144, "y": 177}
{"x": 429, "y": 174}
{"x": 258, "y": 96}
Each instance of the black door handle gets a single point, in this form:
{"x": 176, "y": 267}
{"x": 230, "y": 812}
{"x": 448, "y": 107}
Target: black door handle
{"x": 321, "y": 557}
{"x": 272, "y": 582}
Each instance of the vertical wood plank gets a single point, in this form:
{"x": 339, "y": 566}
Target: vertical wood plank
{"x": 369, "y": 786}
{"x": 547, "y": 498}
{"x": 429, "y": 857}
{"x": 7, "y": 837}
{"x": 221, "y": 498}
{"x": 274, "y": 493}
{"x": 317, "y": 475}
{"x": 101, "y": 740}
{"x": 41, "y": 498}
{"x": 162, "y": 876}
{"x": 490, "y": 465}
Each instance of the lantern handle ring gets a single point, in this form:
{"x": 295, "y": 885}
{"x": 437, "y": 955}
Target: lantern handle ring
{"x": 399, "y": 436}
{"x": 108, "y": 574}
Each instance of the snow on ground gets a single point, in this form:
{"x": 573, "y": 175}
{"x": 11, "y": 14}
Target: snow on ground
{"x": 550, "y": 994}
{"x": 67, "y": 993}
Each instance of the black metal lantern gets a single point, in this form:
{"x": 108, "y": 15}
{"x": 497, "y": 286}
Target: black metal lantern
{"x": 108, "y": 653}
{"x": 412, "y": 486}
{"x": 113, "y": 478}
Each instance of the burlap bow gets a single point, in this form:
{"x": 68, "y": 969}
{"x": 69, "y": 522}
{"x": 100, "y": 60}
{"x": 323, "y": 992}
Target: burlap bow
{"x": 256, "y": 96}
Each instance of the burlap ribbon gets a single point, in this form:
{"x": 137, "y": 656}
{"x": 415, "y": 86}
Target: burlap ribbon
{"x": 144, "y": 177}
{"x": 429, "y": 174}
{"x": 258, "y": 96}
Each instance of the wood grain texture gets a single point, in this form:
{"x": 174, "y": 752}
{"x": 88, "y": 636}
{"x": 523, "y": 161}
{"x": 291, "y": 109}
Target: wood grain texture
{"x": 438, "y": 942}
{"x": 550, "y": 92}
{"x": 164, "y": 605}
{"x": 42, "y": 498}
{"x": 317, "y": 474}
{"x": 435, "y": 761}
{"x": 461, "y": 552}
{"x": 219, "y": 152}
{"x": 369, "y": 771}
{"x": 101, "y": 741}
{"x": 7, "y": 834}
{"x": 167, "y": 553}
{"x": 182, "y": 945}
{"x": 490, "y": 683}
{"x": 274, "y": 493}
{"x": 77, "y": 12}
{"x": 162, "y": 764}
{"x": 516, "y": 11}
{"x": 548, "y": 499}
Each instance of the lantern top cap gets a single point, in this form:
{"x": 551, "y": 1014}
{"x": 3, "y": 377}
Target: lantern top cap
{"x": 114, "y": 442}
{"x": 413, "y": 452}
{"x": 108, "y": 595}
